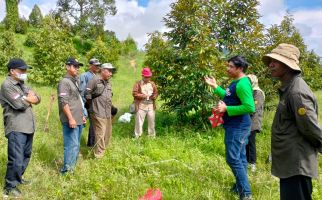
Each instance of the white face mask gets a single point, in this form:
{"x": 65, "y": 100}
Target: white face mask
{"x": 21, "y": 77}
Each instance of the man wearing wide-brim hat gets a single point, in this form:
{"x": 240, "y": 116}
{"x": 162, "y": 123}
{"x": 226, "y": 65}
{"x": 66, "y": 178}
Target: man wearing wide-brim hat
{"x": 296, "y": 134}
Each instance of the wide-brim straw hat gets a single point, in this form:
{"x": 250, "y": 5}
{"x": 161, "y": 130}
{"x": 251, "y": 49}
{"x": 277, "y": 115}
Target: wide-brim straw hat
{"x": 285, "y": 53}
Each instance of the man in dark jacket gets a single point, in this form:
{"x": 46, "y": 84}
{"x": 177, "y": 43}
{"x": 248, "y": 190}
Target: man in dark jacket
{"x": 16, "y": 99}
{"x": 296, "y": 134}
{"x": 99, "y": 95}
{"x": 71, "y": 114}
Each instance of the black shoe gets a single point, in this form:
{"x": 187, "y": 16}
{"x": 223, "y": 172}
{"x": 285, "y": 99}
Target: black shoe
{"x": 12, "y": 192}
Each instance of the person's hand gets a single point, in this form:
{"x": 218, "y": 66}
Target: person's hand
{"x": 84, "y": 120}
{"x": 72, "y": 123}
{"x": 211, "y": 81}
{"x": 221, "y": 107}
{"x": 32, "y": 98}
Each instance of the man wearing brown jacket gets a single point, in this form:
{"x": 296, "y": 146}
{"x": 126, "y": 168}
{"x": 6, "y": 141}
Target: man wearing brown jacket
{"x": 99, "y": 96}
{"x": 145, "y": 93}
{"x": 296, "y": 134}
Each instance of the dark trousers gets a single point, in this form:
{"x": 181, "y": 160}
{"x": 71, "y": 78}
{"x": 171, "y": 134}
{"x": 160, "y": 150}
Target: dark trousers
{"x": 251, "y": 148}
{"x": 91, "y": 134}
{"x": 19, "y": 153}
{"x": 296, "y": 188}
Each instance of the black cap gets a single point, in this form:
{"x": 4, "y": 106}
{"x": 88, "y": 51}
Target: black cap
{"x": 17, "y": 63}
{"x": 94, "y": 61}
{"x": 73, "y": 61}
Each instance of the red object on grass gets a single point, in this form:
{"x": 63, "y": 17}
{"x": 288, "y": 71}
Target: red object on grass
{"x": 216, "y": 119}
{"x": 152, "y": 194}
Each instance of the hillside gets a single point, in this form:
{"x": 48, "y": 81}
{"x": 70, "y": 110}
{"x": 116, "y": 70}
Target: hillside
{"x": 185, "y": 163}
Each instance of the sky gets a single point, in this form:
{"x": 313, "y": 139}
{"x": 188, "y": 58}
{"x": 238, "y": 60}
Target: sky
{"x": 140, "y": 17}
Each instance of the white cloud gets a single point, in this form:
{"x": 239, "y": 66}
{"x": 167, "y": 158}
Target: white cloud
{"x": 2, "y": 9}
{"x": 25, "y": 10}
{"x": 310, "y": 26}
{"x": 308, "y": 22}
{"x": 138, "y": 21}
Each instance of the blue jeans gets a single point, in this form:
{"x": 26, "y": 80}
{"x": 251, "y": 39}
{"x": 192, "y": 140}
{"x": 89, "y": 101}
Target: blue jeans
{"x": 19, "y": 153}
{"x": 236, "y": 138}
{"x": 72, "y": 138}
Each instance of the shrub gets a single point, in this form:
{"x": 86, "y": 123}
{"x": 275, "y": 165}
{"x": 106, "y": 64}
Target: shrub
{"x": 129, "y": 46}
{"x": 52, "y": 48}
{"x": 31, "y": 39}
{"x": 22, "y": 26}
{"x": 102, "y": 52}
{"x": 35, "y": 17}
{"x": 82, "y": 45}
{"x": 9, "y": 50}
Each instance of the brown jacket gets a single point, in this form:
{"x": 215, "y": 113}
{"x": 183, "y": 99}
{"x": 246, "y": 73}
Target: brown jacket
{"x": 139, "y": 96}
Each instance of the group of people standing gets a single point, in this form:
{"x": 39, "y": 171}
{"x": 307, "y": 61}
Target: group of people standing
{"x": 296, "y": 133}
{"x": 79, "y": 99}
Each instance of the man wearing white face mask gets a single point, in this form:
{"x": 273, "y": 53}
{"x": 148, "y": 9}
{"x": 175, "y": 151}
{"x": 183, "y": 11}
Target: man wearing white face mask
{"x": 19, "y": 121}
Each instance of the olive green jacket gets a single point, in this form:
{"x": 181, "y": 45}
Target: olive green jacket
{"x": 296, "y": 134}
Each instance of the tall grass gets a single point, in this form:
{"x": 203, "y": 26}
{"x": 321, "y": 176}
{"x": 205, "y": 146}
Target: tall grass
{"x": 185, "y": 163}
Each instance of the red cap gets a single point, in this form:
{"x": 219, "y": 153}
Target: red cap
{"x": 146, "y": 72}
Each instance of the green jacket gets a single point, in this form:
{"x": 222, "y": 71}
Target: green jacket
{"x": 296, "y": 134}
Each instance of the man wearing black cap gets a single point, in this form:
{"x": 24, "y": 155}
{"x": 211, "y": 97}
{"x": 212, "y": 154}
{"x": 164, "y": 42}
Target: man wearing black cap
{"x": 94, "y": 65}
{"x": 71, "y": 113}
{"x": 16, "y": 99}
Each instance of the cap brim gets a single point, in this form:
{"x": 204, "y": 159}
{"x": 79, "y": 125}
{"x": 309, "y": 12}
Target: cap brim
{"x": 24, "y": 67}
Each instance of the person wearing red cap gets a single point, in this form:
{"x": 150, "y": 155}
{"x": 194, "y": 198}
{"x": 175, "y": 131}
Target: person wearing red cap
{"x": 145, "y": 93}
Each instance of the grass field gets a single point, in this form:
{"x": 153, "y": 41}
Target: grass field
{"x": 185, "y": 163}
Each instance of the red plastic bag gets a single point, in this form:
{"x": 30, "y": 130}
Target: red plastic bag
{"x": 216, "y": 119}
{"x": 152, "y": 194}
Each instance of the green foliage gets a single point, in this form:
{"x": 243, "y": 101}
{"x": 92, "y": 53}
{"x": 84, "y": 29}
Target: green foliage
{"x": 112, "y": 42}
{"x": 202, "y": 35}
{"x": 309, "y": 61}
{"x": 31, "y": 39}
{"x": 22, "y": 26}
{"x": 82, "y": 45}
{"x": 129, "y": 46}
{"x": 103, "y": 52}
{"x": 35, "y": 17}
{"x": 9, "y": 50}
{"x": 184, "y": 162}
{"x": 53, "y": 46}
{"x": 88, "y": 15}
{"x": 12, "y": 14}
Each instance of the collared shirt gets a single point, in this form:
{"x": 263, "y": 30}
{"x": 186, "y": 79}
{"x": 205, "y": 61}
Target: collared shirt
{"x": 68, "y": 93}
{"x": 147, "y": 89}
{"x": 17, "y": 113}
{"x": 296, "y": 134}
{"x": 84, "y": 79}
{"x": 100, "y": 93}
